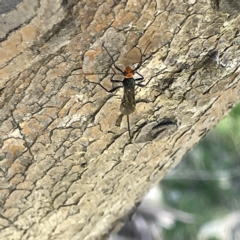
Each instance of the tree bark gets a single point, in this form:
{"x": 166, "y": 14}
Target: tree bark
{"x": 68, "y": 169}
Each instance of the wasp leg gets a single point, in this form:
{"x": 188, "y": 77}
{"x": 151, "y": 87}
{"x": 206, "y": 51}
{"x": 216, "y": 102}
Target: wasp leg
{"x": 110, "y": 91}
{"x": 139, "y": 79}
{"x": 114, "y": 80}
{"x": 144, "y": 85}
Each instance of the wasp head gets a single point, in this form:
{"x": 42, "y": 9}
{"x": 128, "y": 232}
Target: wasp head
{"x": 129, "y": 72}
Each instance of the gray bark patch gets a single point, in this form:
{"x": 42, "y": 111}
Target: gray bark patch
{"x": 7, "y": 6}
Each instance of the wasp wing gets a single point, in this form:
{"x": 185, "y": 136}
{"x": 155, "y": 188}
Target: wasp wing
{"x": 128, "y": 103}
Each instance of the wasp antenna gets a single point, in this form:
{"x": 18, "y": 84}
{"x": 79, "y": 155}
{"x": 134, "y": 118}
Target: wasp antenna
{"x": 142, "y": 54}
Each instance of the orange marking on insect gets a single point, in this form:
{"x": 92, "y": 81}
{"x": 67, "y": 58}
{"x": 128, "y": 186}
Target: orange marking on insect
{"x": 128, "y": 73}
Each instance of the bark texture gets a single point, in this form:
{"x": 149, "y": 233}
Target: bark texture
{"x": 67, "y": 168}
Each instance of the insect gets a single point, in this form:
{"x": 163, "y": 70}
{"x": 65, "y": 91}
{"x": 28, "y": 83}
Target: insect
{"x": 128, "y": 103}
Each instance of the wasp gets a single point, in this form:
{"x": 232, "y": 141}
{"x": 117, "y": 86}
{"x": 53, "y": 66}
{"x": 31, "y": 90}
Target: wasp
{"x": 128, "y": 102}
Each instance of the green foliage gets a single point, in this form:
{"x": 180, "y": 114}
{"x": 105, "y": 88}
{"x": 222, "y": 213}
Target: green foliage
{"x": 206, "y": 182}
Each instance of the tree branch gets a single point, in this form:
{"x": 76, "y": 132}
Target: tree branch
{"x": 67, "y": 169}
